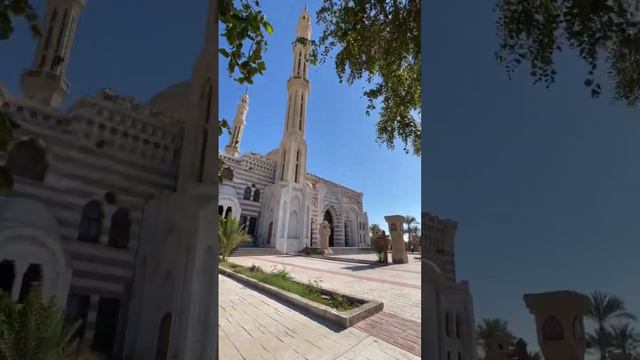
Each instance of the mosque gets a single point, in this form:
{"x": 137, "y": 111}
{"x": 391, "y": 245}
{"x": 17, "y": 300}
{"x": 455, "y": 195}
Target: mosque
{"x": 273, "y": 195}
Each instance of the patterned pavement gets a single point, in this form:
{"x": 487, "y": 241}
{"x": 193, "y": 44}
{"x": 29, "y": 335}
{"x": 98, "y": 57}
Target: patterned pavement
{"x": 255, "y": 326}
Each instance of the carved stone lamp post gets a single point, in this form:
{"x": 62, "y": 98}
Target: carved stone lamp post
{"x": 559, "y": 323}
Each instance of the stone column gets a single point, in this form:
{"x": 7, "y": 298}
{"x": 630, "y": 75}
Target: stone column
{"x": 398, "y": 251}
{"x": 325, "y": 232}
{"x": 559, "y": 323}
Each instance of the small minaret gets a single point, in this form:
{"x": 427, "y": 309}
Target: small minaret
{"x": 292, "y": 158}
{"x": 45, "y": 80}
{"x": 233, "y": 148}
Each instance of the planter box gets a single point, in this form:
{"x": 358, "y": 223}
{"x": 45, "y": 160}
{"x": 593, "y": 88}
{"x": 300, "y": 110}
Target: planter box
{"x": 343, "y": 318}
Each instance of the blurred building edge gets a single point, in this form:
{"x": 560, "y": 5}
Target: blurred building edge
{"x": 114, "y": 205}
{"x": 447, "y": 306}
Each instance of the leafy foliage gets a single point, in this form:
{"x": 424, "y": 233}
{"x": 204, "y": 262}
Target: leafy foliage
{"x": 604, "y": 309}
{"x": 603, "y": 32}
{"x": 624, "y": 339}
{"x": 37, "y": 329}
{"x": 489, "y": 329}
{"x": 230, "y": 235}
{"x": 244, "y": 24}
{"x": 379, "y": 41}
{"x": 10, "y": 9}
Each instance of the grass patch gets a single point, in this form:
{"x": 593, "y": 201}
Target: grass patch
{"x": 281, "y": 279}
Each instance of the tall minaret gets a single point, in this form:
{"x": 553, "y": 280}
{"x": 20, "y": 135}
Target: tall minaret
{"x": 233, "y": 148}
{"x": 292, "y": 160}
{"x": 45, "y": 81}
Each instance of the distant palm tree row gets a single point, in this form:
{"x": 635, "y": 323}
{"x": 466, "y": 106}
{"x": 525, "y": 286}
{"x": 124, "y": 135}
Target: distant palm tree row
{"x": 412, "y": 228}
{"x": 612, "y": 332}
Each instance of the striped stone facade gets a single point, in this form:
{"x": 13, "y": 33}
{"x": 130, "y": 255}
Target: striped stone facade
{"x": 105, "y": 144}
{"x": 253, "y": 173}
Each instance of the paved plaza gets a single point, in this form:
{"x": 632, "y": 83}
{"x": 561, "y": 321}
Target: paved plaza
{"x": 255, "y": 326}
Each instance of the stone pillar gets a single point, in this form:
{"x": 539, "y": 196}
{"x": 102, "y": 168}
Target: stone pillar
{"x": 398, "y": 251}
{"x": 559, "y": 323}
{"x": 325, "y": 232}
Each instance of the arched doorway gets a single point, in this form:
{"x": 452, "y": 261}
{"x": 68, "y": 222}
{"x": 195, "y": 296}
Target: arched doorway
{"x": 162, "y": 347}
{"x": 31, "y": 278}
{"x": 328, "y": 218}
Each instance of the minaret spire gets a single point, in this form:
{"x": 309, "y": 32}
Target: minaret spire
{"x": 293, "y": 147}
{"x": 45, "y": 80}
{"x": 239, "y": 122}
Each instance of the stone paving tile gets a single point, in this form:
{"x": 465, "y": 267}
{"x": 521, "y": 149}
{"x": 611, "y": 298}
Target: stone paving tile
{"x": 393, "y": 329}
{"x": 254, "y": 326}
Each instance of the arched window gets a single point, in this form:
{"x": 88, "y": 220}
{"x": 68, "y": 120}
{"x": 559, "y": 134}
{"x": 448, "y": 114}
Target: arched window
{"x": 31, "y": 278}
{"x": 552, "y": 329}
{"x": 301, "y": 105}
{"x": 91, "y": 222}
{"x": 269, "y": 232}
{"x": 220, "y": 210}
{"x": 256, "y": 195}
{"x": 458, "y": 324}
{"x": 284, "y": 160}
{"x": 120, "y": 229}
{"x": 164, "y": 330}
{"x": 7, "y": 275}
{"x": 247, "y": 193}
{"x": 228, "y": 212}
{"x": 447, "y": 324}
{"x": 28, "y": 159}
{"x": 297, "y": 165}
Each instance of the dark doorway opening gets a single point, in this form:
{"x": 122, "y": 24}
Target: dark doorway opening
{"x": 32, "y": 278}
{"x": 106, "y": 327}
{"x": 7, "y": 276}
{"x": 328, "y": 218}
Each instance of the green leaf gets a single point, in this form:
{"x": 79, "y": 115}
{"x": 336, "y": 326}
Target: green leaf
{"x": 224, "y": 52}
{"x": 268, "y": 27}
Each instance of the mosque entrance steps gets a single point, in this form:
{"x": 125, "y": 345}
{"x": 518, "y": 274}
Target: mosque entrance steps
{"x": 255, "y": 251}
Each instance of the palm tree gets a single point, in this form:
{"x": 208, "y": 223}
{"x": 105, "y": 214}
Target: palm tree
{"x": 490, "y": 329}
{"x": 230, "y": 235}
{"x": 37, "y": 329}
{"x": 411, "y": 221}
{"x": 624, "y": 339}
{"x": 605, "y": 308}
{"x": 375, "y": 230}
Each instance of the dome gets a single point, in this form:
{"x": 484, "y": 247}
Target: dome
{"x": 23, "y": 212}
{"x": 173, "y": 100}
{"x": 272, "y": 155}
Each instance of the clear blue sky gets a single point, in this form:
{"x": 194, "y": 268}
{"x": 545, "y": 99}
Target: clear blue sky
{"x": 340, "y": 137}
{"x": 544, "y": 183}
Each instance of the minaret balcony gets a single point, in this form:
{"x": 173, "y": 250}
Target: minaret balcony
{"x": 64, "y": 84}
